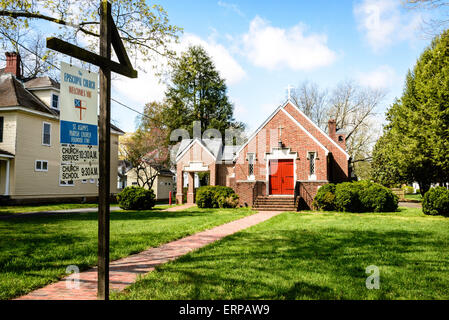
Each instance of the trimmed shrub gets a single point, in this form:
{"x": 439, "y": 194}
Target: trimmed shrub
{"x": 436, "y": 202}
{"x": 325, "y": 198}
{"x": 377, "y": 198}
{"x": 357, "y": 196}
{"x": 136, "y": 198}
{"x": 216, "y": 197}
{"x": 347, "y": 197}
{"x": 231, "y": 201}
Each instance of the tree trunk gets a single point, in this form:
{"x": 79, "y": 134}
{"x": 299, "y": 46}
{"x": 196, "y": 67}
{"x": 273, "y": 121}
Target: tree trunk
{"x": 423, "y": 187}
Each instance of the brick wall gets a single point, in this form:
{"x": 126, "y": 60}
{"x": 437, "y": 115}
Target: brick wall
{"x": 248, "y": 191}
{"x": 293, "y": 137}
{"x": 339, "y": 162}
{"x": 307, "y": 190}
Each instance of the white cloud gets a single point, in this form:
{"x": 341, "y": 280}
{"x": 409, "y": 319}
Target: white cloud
{"x": 144, "y": 89}
{"x": 381, "y": 78}
{"x": 147, "y": 88}
{"x": 231, "y": 6}
{"x": 383, "y": 23}
{"x": 228, "y": 67}
{"x": 272, "y": 48}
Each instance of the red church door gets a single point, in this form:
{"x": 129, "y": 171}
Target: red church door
{"x": 281, "y": 177}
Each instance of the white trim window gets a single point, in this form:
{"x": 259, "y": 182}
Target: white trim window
{"x": 41, "y": 165}
{"x": 46, "y": 133}
{"x": 312, "y": 156}
{"x": 55, "y": 101}
{"x": 251, "y": 157}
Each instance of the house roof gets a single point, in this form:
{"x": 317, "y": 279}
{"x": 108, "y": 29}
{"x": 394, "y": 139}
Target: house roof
{"x": 14, "y": 94}
{"x": 213, "y": 146}
{"x": 6, "y": 153}
{"x": 42, "y": 82}
{"x": 282, "y": 107}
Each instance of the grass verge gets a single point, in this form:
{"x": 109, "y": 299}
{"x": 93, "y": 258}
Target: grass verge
{"x": 35, "y": 251}
{"x": 313, "y": 256}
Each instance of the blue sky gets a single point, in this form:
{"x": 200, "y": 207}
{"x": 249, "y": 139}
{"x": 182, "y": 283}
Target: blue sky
{"x": 260, "y": 47}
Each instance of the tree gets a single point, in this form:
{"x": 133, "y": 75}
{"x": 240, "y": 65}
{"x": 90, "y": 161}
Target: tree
{"x": 312, "y": 101}
{"x": 418, "y": 123}
{"x": 146, "y": 153}
{"x": 33, "y": 66}
{"x": 197, "y": 93}
{"x": 438, "y": 22}
{"x": 145, "y": 30}
{"x": 354, "y": 109}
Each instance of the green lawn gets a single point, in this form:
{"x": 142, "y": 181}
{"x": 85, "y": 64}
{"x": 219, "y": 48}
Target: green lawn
{"x": 60, "y": 206}
{"x": 35, "y": 251}
{"x": 414, "y": 196}
{"x": 45, "y": 207}
{"x": 313, "y": 256}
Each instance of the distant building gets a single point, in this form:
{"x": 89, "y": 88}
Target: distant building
{"x": 162, "y": 185}
{"x": 29, "y": 141}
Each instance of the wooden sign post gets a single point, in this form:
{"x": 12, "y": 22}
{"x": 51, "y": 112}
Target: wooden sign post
{"x": 108, "y": 35}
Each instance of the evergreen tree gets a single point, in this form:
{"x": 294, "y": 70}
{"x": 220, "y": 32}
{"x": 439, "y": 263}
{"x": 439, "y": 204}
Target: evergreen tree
{"x": 415, "y": 145}
{"x": 197, "y": 93}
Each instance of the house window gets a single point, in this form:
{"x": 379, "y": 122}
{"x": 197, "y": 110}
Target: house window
{"x": 46, "y": 132}
{"x": 55, "y": 101}
{"x": 312, "y": 158}
{"x": 66, "y": 183}
{"x": 251, "y": 158}
{"x": 1, "y": 128}
{"x": 41, "y": 165}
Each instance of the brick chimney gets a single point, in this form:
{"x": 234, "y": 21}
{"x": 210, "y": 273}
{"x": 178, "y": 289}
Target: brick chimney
{"x": 332, "y": 129}
{"x": 13, "y": 64}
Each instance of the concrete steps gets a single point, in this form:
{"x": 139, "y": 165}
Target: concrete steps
{"x": 274, "y": 204}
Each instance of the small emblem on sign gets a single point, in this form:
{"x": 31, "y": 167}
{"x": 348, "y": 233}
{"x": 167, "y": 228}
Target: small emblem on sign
{"x": 81, "y": 105}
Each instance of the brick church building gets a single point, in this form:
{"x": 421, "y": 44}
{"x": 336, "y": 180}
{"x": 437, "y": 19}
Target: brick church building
{"x": 281, "y": 166}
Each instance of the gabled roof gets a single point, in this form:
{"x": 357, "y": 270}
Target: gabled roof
{"x": 14, "y": 94}
{"x": 319, "y": 129}
{"x": 278, "y": 109}
{"x": 42, "y": 83}
{"x": 212, "y": 146}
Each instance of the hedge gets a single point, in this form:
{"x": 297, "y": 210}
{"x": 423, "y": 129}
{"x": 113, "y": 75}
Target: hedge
{"x": 216, "y": 197}
{"x": 436, "y": 202}
{"x": 136, "y": 198}
{"x": 358, "y": 196}
{"x": 325, "y": 198}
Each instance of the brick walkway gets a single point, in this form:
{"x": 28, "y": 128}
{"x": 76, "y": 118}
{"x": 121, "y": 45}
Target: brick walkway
{"x": 125, "y": 271}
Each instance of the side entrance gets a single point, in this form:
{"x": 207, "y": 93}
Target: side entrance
{"x": 281, "y": 177}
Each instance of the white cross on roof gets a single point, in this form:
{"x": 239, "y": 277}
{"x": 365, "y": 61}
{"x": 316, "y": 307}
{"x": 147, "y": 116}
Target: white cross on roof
{"x": 289, "y": 87}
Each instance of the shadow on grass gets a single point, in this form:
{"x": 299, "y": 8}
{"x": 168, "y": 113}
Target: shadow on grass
{"x": 115, "y": 215}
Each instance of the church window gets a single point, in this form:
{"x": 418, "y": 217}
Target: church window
{"x": 251, "y": 158}
{"x": 312, "y": 158}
